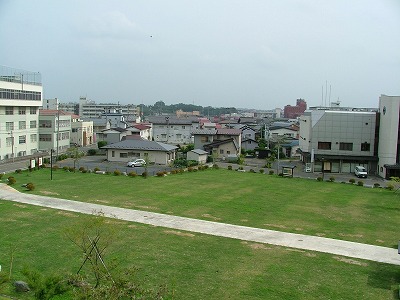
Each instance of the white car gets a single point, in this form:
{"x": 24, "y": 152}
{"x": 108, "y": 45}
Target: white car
{"x": 136, "y": 163}
{"x": 360, "y": 171}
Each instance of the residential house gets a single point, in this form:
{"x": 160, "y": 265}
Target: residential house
{"x": 198, "y": 155}
{"x": 20, "y": 98}
{"x": 172, "y": 130}
{"x": 112, "y": 135}
{"x": 132, "y": 148}
{"x": 81, "y": 132}
{"x": 142, "y": 130}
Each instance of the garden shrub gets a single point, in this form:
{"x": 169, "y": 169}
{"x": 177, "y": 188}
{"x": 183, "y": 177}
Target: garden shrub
{"x": 376, "y": 185}
{"x": 18, "y": 171}
{"x": 205, "y": 167}
{"x": 332, "y": 179}
{"x": 81, "y": 169}
{"x": 240, "y": 168}
{"x": 145, "y": 174}
{"x": 360, "y": 183}
{"x": 132, "y": 174}
{"x": 390, "y": 187}
{"x": 11, "y": 180}
{"x": 319, "y": 178}
{"x": 229, "y": 167}
{"x": 215, "y": 166}
{"x": 173, "y": 172}
{"x": 343, "y": 182}
{"x": 160, "y": 174}
{"x": 191, "y": 163}
{"x": 271, "y": 172}
{"x": 261, "y": 171}
{"x": 71, "y": 169}
{"x": 101, "y": 144}
{"x": 1, "y": 175}
{"x": 55, "y": 168}
{"x": 85, "y": 171}
{"x": 65, "y": 168}
{"x": 117, "y": 172}
{"x": 190, "y": 169}
{"x": 96, "y": 169}
{"x": 280, "y": 174}
{"x": 195, "y": 170}
{"x": 30, "y": 186}
{"x": 92, "y": 152}
{"x": 352, "y": 180}
{"x": 252, "y": 171}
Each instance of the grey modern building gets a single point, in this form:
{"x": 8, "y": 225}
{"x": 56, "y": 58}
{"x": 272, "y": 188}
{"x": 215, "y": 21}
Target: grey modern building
{"x": 338, "y": 139}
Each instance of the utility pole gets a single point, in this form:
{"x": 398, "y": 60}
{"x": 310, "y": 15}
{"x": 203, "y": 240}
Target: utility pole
{"x": 12, "y": 145}
{"x": 58, "y": 131}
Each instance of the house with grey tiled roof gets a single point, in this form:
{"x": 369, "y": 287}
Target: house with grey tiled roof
{"x": 198, "y": 155}
{"x": 129, "y": 149}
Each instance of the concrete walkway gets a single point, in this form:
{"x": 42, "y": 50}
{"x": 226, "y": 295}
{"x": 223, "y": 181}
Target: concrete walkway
{"x": 299, "y": 241}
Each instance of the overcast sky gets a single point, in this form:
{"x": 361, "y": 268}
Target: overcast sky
{"x": 255, "y": 54}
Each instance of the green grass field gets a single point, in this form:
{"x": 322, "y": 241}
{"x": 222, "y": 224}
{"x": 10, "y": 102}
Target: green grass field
{"x": 198, "y": 266}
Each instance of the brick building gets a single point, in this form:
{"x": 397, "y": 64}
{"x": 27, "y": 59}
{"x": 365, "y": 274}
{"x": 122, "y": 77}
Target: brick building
{"x": 292, "y": 112}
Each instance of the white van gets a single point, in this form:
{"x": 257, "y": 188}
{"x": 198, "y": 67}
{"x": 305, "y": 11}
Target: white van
{"x": 360, "y": 171}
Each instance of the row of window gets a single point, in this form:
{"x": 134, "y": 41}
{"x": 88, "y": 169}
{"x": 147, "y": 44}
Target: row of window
{"x": 20, "y": 95}
{"x": 343, "y": 146}
{"x": 21, "y": 140}
{"x": 21, "y": 125}
{"x": 21, "y": 110}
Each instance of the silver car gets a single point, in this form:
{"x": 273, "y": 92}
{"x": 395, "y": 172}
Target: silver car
{"x": 136, "y": 163}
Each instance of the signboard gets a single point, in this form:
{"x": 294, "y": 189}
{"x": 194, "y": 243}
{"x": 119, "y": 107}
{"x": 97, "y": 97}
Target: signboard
{"x": 40, "y": 161}
{"x": 32, "y": 163}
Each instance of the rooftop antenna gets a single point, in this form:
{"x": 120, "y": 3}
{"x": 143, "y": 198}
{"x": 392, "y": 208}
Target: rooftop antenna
{"x": 326, "y": 91}
{"x": 322, "y": 98}
{"x": 330, "y": 87}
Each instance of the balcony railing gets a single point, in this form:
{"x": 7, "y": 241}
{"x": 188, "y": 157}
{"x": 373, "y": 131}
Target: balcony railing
{"x": 20, "y": 76}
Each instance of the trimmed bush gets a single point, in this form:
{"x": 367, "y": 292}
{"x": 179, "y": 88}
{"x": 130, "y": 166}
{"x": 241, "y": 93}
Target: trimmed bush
{"x": 240, "y": 168}
{"x": 376, "y": 185}
{"x": 132, "y": 174}
{"x": 96, "y": 169}
{"x": 261, "y": 171}
{"x": 82, "y": 169}
{"x": 319, "y": 178}
{"x": 352, "y": 180}
{"x": 145, "y": 174}
{"x": 30, "y": 186}
{"x": 117, "y": 172}
{"x": 55, "y": 168}
{"x": 190, "y": 169}
{"x": 390, "y": 187}
{"x": 360, "y": 183}
{"x": 252, "y": 171}
{"x": 160, "y": 174}
{"x": 65, "y": 168}
{"x": 11, "y": 180}
{"x": 215, "y": 166}
{"x": 229, "y": 167}
{"x": 92, "y": 152}
{"x": 332, "y": 179}
{"x": 85, "y": 171}
{"x": 280, "y": 174}
{"x": 271, "y": 172}
{"x": 18, "y": 171}
{"x": 71, "y": 169}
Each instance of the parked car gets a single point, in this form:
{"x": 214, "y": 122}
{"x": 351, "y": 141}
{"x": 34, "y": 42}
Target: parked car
{"x": 360, "y": 171}
{"x": 136, "y": 163}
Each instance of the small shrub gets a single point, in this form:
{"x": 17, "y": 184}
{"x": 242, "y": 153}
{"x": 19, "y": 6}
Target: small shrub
{"x": 55, "y": 168}
{"x": 195, "y": 170}
{"x": 261, "y": 171}
{"x": 117, "y": 172}
{"x": 240, "y": 168}
{"x": 280, "y": 174}
{"x": 96, "y": 169}
{"x": 145, "y": 174}
{"x": 190, "y": 169}
{"x": 332, "y": 179}
{"x": 11, "y": 180}
{"x": 229, "y": 167}
{"x": 81, "y": 169}
{"x": 360, "y": 183}
{"x": 271, "y": 172}
{"x": 319, "y": 178}
{"x": 18, "y": 171}
{"x": 160, "y": 174}
{"x": 252, "y": 171}
{"x": 92, "y": 152}
{"x": 1, "y": 175}
{"x": 132, "y": 174}
{"x": 390, "y": 187}
{"x": 173, "y": 172}
{"x": 30, "y": 186}
{"x": 352, "y": 180}
{"x": 376, "y": 185}
{"x": 343, "y": 182}
{"x": 65, "y": 168}
{"x": 71, "y": 169}
{"x": 85, "y": 171}
{"x": 205, "y": 167}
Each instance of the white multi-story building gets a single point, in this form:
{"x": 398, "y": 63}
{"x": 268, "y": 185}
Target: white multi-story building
{"x": 54, "y": 130}
{"x": 20, "y": 98}
{"x": 389, "y": 136}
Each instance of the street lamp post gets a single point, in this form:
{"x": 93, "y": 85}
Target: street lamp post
{"x": 323, "y": 168}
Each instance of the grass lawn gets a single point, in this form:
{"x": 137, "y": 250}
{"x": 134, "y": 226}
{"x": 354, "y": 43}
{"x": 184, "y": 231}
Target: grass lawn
{"x": 195, "y": 266}
{"x": 334, "y": 210}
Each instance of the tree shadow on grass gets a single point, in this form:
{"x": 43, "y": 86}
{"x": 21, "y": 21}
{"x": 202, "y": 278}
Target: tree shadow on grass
{"x": 385, "y": 276}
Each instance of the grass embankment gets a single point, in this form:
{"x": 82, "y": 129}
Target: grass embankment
{"x": 334, "y": 210}
{"x": 196, "y": 266}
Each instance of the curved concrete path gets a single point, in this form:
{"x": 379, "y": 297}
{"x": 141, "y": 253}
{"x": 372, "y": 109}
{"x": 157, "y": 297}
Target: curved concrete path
{"x": 299, "y": 241}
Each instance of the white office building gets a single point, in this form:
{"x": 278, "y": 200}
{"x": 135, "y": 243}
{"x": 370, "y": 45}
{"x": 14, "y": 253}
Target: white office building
{"x": 20, "y": 98}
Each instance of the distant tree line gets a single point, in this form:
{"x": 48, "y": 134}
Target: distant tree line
{"x": 160, "y": 107}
